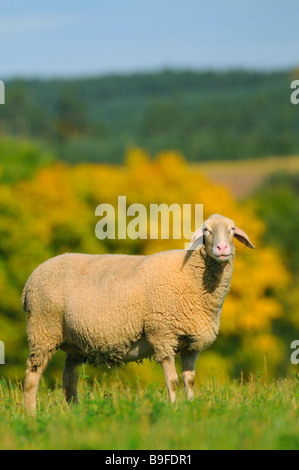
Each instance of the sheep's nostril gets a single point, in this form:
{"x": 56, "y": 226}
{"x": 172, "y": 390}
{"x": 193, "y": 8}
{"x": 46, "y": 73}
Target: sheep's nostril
{"x": 221, "y": 247}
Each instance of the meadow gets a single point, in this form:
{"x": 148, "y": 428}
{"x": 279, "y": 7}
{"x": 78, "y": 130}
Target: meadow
{"x": 243, "y": 178}
{"x": 113, "y": 414}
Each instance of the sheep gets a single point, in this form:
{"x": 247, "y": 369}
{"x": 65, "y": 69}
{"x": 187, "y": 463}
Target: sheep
{"x": 114, "y": 309}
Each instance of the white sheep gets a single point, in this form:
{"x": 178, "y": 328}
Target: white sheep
{"x": 115, "y": 309}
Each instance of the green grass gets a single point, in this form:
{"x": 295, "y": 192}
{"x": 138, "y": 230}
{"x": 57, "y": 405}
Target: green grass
{"x": 254, "y": 415}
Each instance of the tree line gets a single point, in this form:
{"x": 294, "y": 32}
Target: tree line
{"x": 210, "y": 115}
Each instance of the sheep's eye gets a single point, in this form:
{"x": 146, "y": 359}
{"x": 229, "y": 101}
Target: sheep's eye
{"x": 207, "y": 231}
{"x": 232, "y": 229}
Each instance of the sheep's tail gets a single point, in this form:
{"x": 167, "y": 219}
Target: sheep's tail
{"x": 24, "y": 298}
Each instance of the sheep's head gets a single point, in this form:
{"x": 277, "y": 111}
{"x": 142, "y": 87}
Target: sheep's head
{"x": 217, "y": 234}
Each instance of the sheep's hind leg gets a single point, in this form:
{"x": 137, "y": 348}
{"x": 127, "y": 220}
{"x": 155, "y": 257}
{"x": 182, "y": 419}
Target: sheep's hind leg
{"x": 171, "y": 376}
{"x": 36, "y": 366}
{"x": 70, "y": 378}
{"x": 188, "y": 369}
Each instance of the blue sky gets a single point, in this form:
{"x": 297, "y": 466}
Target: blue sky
{"x": 71, "y": 37}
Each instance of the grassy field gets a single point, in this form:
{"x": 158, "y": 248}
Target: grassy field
{"x": 116, "y": 416}
{"x": 243, "y": 177}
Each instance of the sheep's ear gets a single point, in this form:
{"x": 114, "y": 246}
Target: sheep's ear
{"x": 243, "y": 238}
{"x": 196, "y": 240}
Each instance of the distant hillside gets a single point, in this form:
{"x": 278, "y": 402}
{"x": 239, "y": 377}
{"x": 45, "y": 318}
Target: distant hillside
{"x": 242, "y": 178}
{"x": 205, "y": 115}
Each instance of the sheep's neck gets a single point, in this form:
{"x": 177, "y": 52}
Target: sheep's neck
{"x": 213, "y": 280}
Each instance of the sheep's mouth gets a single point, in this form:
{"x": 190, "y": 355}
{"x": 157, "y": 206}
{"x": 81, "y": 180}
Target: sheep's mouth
{"x": 223, "y": 257}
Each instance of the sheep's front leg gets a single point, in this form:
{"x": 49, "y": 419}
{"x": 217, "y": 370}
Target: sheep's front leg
{"x": 171, "y": 377}
{"x": 188, "y": 369}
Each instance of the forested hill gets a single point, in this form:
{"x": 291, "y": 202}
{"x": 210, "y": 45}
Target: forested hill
{"x": 205, "y": 115}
